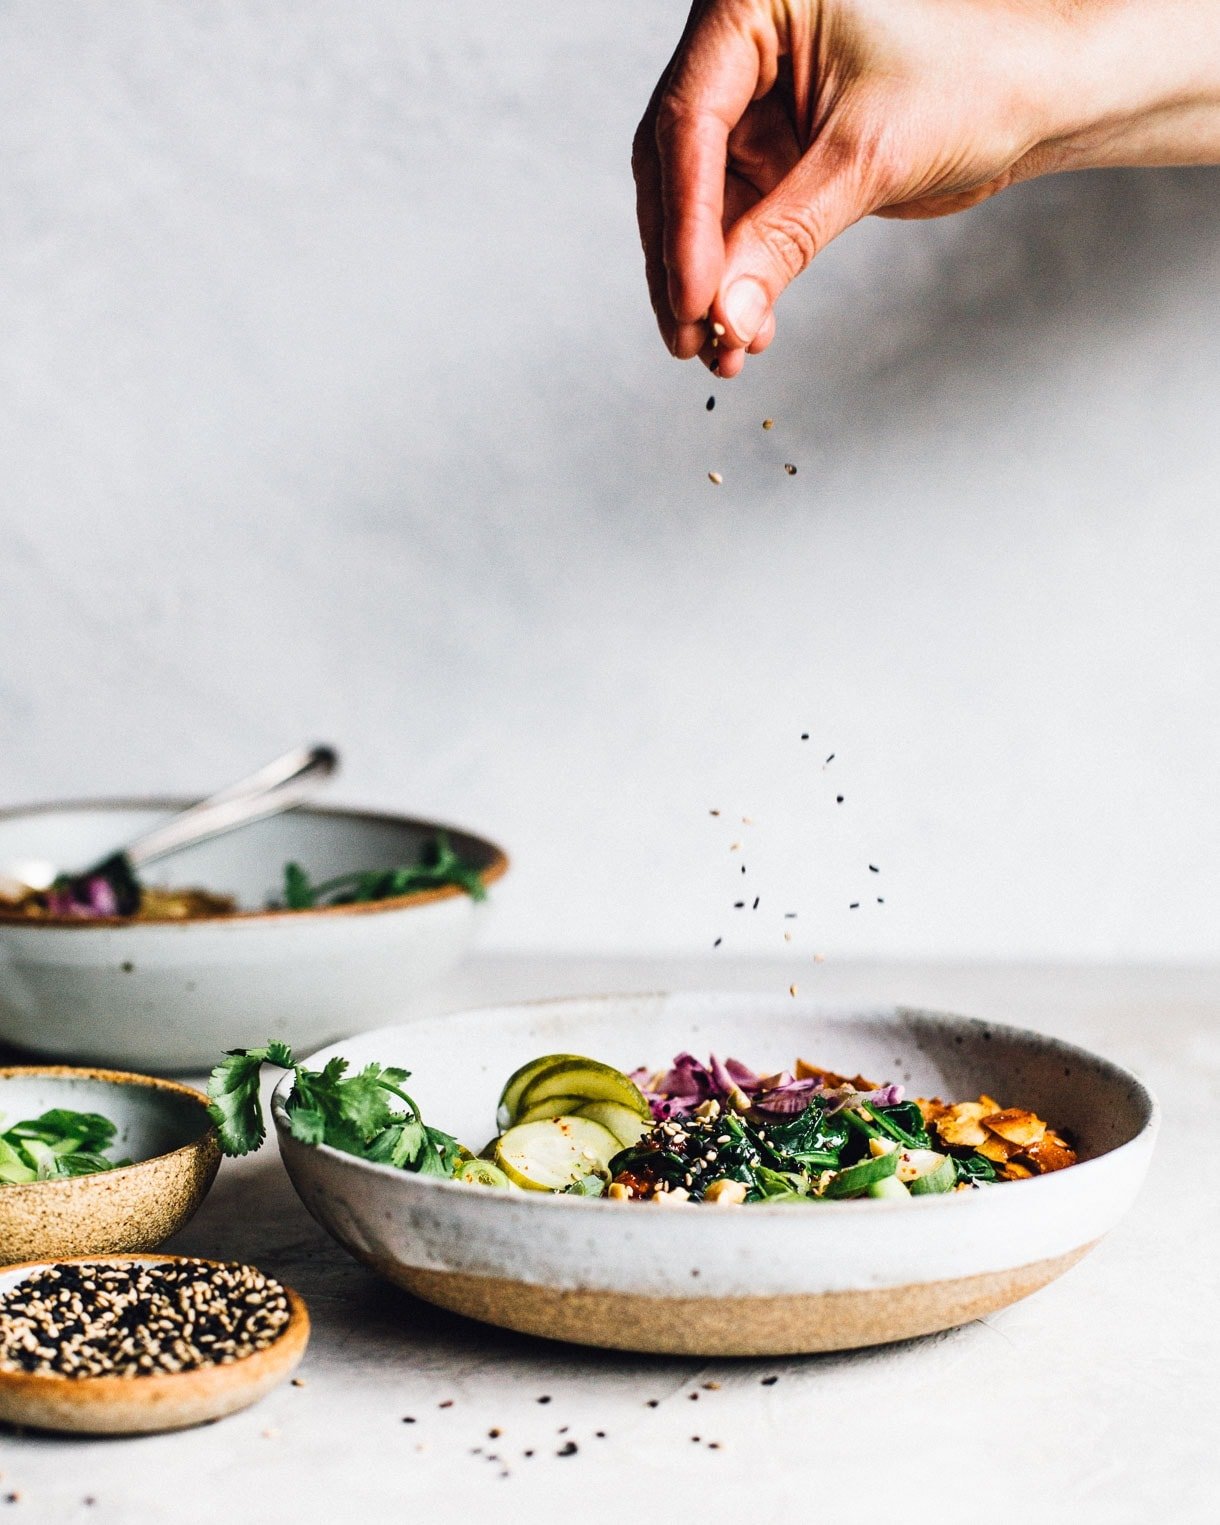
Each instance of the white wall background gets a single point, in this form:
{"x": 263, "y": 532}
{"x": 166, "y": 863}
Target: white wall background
{"x": 330, "y": 405}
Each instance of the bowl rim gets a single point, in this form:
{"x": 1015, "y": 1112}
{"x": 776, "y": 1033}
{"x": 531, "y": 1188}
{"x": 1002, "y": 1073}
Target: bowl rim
{"x": 1144, "y": 1138}
{"x": 296, "y": 1331}
{"x": 495, "y": 870}
{"x": 208, "y": 1139}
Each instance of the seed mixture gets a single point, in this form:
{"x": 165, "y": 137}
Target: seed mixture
{"x": 138, "y": 1321}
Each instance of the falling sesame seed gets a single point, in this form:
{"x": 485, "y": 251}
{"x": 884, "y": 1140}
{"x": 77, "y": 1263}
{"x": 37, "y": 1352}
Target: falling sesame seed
{"x": 713, "y": 1445}
{"x": 544, "y": 1399}
{"x": 838, "y": 799}
{"x": 694, "y": 1397}
{"x": 734, "y": 847}
{"x": 715, "y": 478}
{"x": 719, "y": 330}
{"x": 743, "y": 868}
{"x": 711, "y": 403}
{"x": 747, "y": 820}
{"x": 298, "y": 1381}
{"x": 768, "y": 423}
{"x": 654, "y": 1403}
{"x": 819, "y": 958}
{"x": 790, "y": 468}
{"x": 739, "y": 905}
{"x": 880, "y": 900}
{"x": 804, "y": 735}
{"x": 769, "y": 1381}
{"x": 408, "y": 1419}
{"x": 789, "y": 915}
{"x": 854, "y": 906}
{"x": 718, "y": 941}
{"x": 791, "y": 989}
{"x": 713, "y": 812}
{"x": 787, "y": 937}
{"x": 569, "y": 1448}
{"x": 448, "y": 1404}
{"x": 829, "y": 760}
{"x": 715, "y": 366}
{"x": 713, "y": 1387}
{"x": 493, "y": 1434}
{"x": 757, "y": 898}
{"x": 873, "y": 869}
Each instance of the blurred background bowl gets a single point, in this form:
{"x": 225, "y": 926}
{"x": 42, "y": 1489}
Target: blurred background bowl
{"x": 171, "y": 996}
{"x": 162, "y": 1127}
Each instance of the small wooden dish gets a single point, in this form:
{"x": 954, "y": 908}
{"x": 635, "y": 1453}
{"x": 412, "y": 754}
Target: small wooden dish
{"x": 145, "y": 1405}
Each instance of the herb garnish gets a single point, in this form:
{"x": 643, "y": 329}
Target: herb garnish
{"x": 354, "y": 1113}
{"x": 59, "y": 1143}
{"x": 439, "y": 865}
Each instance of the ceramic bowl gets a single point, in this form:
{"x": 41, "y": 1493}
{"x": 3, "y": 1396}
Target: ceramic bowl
{"x": 755, "y": 1280}
{"x": 144, "y": 1405}
{"x": 163, "y": 1128}
{"x": 172, "y": 996}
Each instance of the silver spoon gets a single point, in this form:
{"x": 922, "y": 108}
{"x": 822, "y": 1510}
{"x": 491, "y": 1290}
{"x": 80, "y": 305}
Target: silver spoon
{"x": 279, "y": 786}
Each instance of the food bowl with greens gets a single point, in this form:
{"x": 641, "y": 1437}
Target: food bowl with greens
{"x": 96, "y": 1162}
{"x": 303, "y": 926}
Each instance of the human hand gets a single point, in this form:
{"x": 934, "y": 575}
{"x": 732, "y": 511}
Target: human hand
{"x": 778, "y": 125}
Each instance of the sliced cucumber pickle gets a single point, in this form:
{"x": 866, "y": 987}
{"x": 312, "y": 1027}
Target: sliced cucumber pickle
{"x": 891, "y": 1186}
{"x": 553, "y": 1106}
{"x": 587, "y": 1078}
{"x": 555, "y": 1152}
{"x": 626, "y": 1125}
{"x": 482, "y": 1173}
{"x": 509, "y": 1109}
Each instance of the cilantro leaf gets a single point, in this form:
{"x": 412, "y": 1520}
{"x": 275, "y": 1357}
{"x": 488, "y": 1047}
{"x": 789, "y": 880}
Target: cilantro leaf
{"x": 233, "y": 1101}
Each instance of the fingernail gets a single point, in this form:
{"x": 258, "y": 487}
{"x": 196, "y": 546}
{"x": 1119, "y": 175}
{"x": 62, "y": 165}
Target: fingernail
{"x": 745, "y": 306}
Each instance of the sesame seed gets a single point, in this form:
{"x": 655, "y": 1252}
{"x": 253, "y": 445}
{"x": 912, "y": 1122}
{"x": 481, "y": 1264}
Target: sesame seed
{"x": 711, "y": 403}
{"x": 790, "y": 468}
{"x": 873, "y": 869}
{"x": 715, "y": 478}
{"x": 768, "y": 423}
{"x": 719, "y": 330}
{"x": 791, "y": 989}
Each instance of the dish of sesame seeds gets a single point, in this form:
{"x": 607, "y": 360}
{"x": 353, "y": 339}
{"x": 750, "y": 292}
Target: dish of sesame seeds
{"x": 134, "y": 1319}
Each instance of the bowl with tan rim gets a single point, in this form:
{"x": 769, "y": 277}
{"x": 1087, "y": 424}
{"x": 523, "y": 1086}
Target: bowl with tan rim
{"x": 162, "y": 1127}
{"x": 171, "y": 996}
{"x": 759, "y": 1279}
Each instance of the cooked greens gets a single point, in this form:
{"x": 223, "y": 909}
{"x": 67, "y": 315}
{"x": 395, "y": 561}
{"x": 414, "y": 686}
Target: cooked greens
{"x": 59, "y": 1143}
{"x": 439, "y": 866}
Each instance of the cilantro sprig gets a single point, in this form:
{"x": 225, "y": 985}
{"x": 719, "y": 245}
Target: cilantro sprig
{"x": 362, "y": 1113}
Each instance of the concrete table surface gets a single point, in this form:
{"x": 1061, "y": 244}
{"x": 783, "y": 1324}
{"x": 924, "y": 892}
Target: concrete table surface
{"x": 1096, "y": 1399}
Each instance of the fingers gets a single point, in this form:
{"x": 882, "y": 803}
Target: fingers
{"x": 715, "y": 76}
{"x": 682, "y": 339}
{"x": 778, "y": 237}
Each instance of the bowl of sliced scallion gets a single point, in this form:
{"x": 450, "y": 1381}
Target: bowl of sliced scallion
{"x": 98, "y": 1162}
{"x": 304, "y": 926}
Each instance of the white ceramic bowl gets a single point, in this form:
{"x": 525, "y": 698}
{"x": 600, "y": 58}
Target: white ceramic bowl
{"x": 751, "y": 1280}
{"x": 171, "y": 996}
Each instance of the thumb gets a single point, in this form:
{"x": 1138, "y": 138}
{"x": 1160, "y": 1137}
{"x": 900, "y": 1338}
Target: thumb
{"x": 772, "y": 243}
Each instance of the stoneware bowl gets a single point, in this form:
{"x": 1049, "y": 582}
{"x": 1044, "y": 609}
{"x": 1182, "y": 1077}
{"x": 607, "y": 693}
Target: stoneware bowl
{"x": 755, "y": 1280}
{"x": 171, "y": 996}
{"x": 142, "y": 1405}
{"x": 163, "y": 1128}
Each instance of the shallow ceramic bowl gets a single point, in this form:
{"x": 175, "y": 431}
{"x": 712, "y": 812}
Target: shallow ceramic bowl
{"x": 756, "y": 1280}
{"x": 163, "y": 1128}
{"x": 172, "y": 996}
{"x": 143, "y": 1405}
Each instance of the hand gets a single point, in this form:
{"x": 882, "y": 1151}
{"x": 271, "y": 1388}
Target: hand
{"x": 778, "y": 125}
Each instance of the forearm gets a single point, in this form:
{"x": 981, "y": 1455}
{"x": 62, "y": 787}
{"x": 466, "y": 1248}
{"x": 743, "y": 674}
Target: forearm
{"x": 1146, "y": 84}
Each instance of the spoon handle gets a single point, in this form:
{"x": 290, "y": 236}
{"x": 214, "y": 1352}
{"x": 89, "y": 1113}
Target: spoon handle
{"x": 280, "y": 785}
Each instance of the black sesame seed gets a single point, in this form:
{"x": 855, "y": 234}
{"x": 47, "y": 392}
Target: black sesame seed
{"x": 739, "y": 905}
{"x": 769, "y": 1381}
{"x": 804, "y": 735}
{"x": 873, "y": 869}
{"x": 569, "y": 1448}
{"x": 654, "y": 1403}
{"x": 718, "y": 941}
{"x": 711, "y": 403}
{"x": 838, "y": 799}
{"x": 790, "y": 468}
{"x": 854, "y": 906}
{"x": 757, "y": 898}
{"x": 546, "y": 1398}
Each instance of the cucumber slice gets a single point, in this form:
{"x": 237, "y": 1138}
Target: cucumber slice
{"x": 627, "y": 1126}
{"x": 554, "y": 1152}
{"x": 587, "y": 1078}
{"x": 509, "y": 1109}
{"x": 857, "y": 1178}
{"x": 482, "y": 1173}
{"x": 890, "y": 1187}
{"x": 942, "y": 1177}
{"x": 553, "y": 1106}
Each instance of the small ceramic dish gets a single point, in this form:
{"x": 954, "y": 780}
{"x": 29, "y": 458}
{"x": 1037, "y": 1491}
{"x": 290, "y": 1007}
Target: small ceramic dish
{"x": 162, "y": 1127}
{"x": 144, "y": 1405}
{"x": 172, "y": 996}
{"x": 753, "y": 1280}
